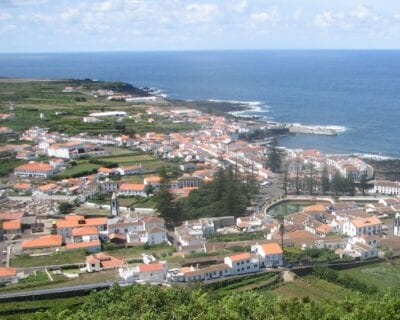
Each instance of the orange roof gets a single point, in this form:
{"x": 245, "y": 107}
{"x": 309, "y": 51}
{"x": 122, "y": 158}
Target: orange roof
{"x": 153, "y": 179}
{"x": 74, "y": 217}
{"x": 22, "y": 186}
{"x": 105, "y": 170}
{"x": 151, "y": 267}
{"x": 105, "y": 260}
{"x": 240, "y": 256}
{"x": 132, "y": 186}
{"x": 131, "y": 167}
{"x": 315, "y": 208}
{"x": 271, "y": 248}
{"x": 12, "y": 225}
{"x": 47, "y": 187}
{"x": 84, "y": 231}
{"x": 365, "y": 222}
{"x": 84, "y": 244}
{"x": 78, "y": 221}
{"x": 35, "y": 166}
{"x": 8, "y": 272}
{"x": 47, "y": 241}
{"x": 11, "y": 215}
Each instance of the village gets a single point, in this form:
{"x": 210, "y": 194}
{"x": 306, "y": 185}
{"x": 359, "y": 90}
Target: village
{"x": 81, "y": 204}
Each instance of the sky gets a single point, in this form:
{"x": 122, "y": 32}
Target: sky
{"x": 153, "y": 25}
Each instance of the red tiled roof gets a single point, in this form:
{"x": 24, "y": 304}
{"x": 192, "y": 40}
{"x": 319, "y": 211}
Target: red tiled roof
{"x": 271, "y": 248}
{"x": 12, "y": 225}
{"x": 47, "y": 241}
{"x": 151, "y": 267}
{"x": 84, "y": 244}
{"x": 8, "y": 272}
{"x": 35, "y": 166}
{"x": 84, "y": 231}
{"x": 240, "y": 256}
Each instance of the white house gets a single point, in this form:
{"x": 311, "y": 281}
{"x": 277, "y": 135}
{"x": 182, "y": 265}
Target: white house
{"x": 154, "y": 272}
{"x": 102, "y": 261}
{"x": 8, "y": 275}
{"x": 132, "y": 189}
{"x": 242, "y": 263}
{"x": 34, "y": 170}
{"x": 362, "y": 226}
{"x": 270, "y": 254}
{"x": 387, "y": 187}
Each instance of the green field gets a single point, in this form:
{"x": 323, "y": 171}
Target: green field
{"x": 161, "y": 251}
{"x": 82, "y": 167}
{"x": 25, "y": 261}
{"x": 312, "y": 287}
{"x": 383, "y": 275}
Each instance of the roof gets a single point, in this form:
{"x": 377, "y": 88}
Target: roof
{"x": 153, "y": 179}
{"x": 8, "y": 272}
{"x": 79, "y": 221}
{"x": 84, "y": 244}
{"x": 365, "y": 222}
{"x": 271, "y": 248}
{"x": 11, "y": 215}
{"x": 240, "y": 256}
{"x": 315, "y": 208}
{"x": 35, "y": 166}
{"x": 47, "y": 187}
{"x": 12, "y": 225}
{"x": 105, "y": 260}
{"x": 22, "y": 186}
{"x": 105, "y": 170}
{"x": 151, "y": 267}
{"x": 132, "y": 186}
{"x": 47, "y": 241}
{"x": 187, "y": 271}
{"x": 156, "y": 229}
{"x": 84, "y": 231}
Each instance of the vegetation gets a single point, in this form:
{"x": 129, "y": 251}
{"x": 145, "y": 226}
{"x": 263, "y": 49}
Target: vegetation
{"x": 57, "y": 258}
{"x": 152, "y": 302}
{"x": 227, "y": 194}
{"x": 274, "y": 160}
{"x": 293, "y": 254}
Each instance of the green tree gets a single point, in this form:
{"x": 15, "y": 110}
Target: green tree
{"x": 325, "y": 183}
{"x": 363, "y": 183}
{"x": 274, "y": 160}
{"x": 65, "y": 207}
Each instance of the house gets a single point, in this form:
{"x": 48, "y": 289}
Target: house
{"x": 156, "y": 235}
{"x": 89, "y": 246}
{"x": 8, "y": 275}
{"x": 152, "y": 180}
{"x": 84, "y": 234}
{"x": 12, "y": 227}
{"x": 129, "y": 170}
{"x": 102, "y": 261}
{"x": 23, "y": 187}
{"x": 242, "y": 263}
{"x": 187, "y": 274}
{"x": 358, "y": 250}
{"x": 73, "y": 150}
{"x": 362, "y": 226}
{"x": 34, "y": 170}
{"x": 145, "y": 272}
{"x": 132, "y": 189}
{"x": 43, "y": 242}
{"x": 49, "y": 188}
{"x": 387, "y": 187}
{"x": 270, "y": 254}
{"x": 65, "y": 226}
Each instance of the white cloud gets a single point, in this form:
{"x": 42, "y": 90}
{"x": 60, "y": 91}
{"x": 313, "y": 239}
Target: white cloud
{"x": 361, "y": 15}
{"x": 240, "y": 6}
{"x": 201, "y": 12}
{"x": 270, "y": 16}
{"x": 4, "y": 16}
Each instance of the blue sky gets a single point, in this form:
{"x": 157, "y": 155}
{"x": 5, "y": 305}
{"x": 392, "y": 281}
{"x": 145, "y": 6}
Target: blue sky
{"x": 132, "y": 25}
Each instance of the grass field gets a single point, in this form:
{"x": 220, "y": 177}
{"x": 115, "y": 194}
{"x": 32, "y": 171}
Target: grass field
{"x": 161, "y": 251}
{"x": 312, "y": 287}
{"x": 82, "y": 166}
{"x": 24, "y": 261}
{"x": 383, "y": 275}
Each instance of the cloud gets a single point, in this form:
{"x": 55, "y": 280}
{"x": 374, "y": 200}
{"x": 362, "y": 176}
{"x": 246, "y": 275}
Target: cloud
{"x": 4, "y": 16}
{"x": 240, "y": 6}
{"x": 359, "y": 16}
{"x": 271, "y": 16}
{"x": 201, "y": 12}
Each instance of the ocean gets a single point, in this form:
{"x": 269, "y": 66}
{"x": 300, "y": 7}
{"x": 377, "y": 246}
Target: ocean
{"x": 357, "y": 90}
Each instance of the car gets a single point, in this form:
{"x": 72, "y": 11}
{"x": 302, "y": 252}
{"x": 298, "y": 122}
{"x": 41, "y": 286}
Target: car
{"x": 265, "y": 183}
{"x": 4, "y": 252}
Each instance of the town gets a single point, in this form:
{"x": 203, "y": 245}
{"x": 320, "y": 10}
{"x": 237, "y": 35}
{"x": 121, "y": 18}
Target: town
{"x": 87, "y": 207}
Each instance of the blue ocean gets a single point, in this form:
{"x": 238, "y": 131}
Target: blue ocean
{"x": 358, "y": 90}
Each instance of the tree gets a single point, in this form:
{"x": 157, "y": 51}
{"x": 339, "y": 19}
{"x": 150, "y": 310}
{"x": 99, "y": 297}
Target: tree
{"x": 310, "y": 180}
{"x": 274, "y": 160}
{"x": 285, "y": 179}
{"x": 350, "y": 185}
{"x": 297, "y": 177}
{"x": 65, "y": 207}
{"x": 164, "y": 200}
{"x": 149, "y": 189}
{"x": 363, "y": 183}
{"x": 337, "y": 185}
{"x": 325, "y": 183}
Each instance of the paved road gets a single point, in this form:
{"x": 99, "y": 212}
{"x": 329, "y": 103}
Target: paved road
{"x": 3, "y": 257}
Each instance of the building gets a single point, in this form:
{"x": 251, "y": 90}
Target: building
{"x": 242, "y": 263}
{"x": 188, "y": 274}
{"x": 73, "y": 150}
{"x": 362, "y": 226}
{"x": 154, "y": 272}
{"x": 89, "y": 246}
{"x": 34, "y": 170}
{"x": 12, "y": 227}
{"x": 270, "y": 254}
{"x": 387, "y": 187}
{"x": 132, "y": 189}
{"x": 129, "y": 170}
{"x": 8, "y": 275}
{"x": 50, "y": 241}
{"x": 65, "y": 226}
{"x": 84, "y": 234}
{"x": 102, "y": 261}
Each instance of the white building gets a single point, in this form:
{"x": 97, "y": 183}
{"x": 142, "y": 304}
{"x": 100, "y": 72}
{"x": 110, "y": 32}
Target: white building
{"x": 270, "y": 254}
{"x": 34, "y": 170}
{"x": 154, "y": 272}
{"x": 109, "y": 114}
{"x": 387, "y": 187}
{"x": 242, "y": 263}
{"x": 362, "y": 226}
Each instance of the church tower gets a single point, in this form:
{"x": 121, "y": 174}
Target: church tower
{"x": 114, "y": 205}
{"x": 396, "y": 227}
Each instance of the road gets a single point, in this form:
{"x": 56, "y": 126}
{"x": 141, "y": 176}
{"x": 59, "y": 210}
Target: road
{"x": 3, "y": 257}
